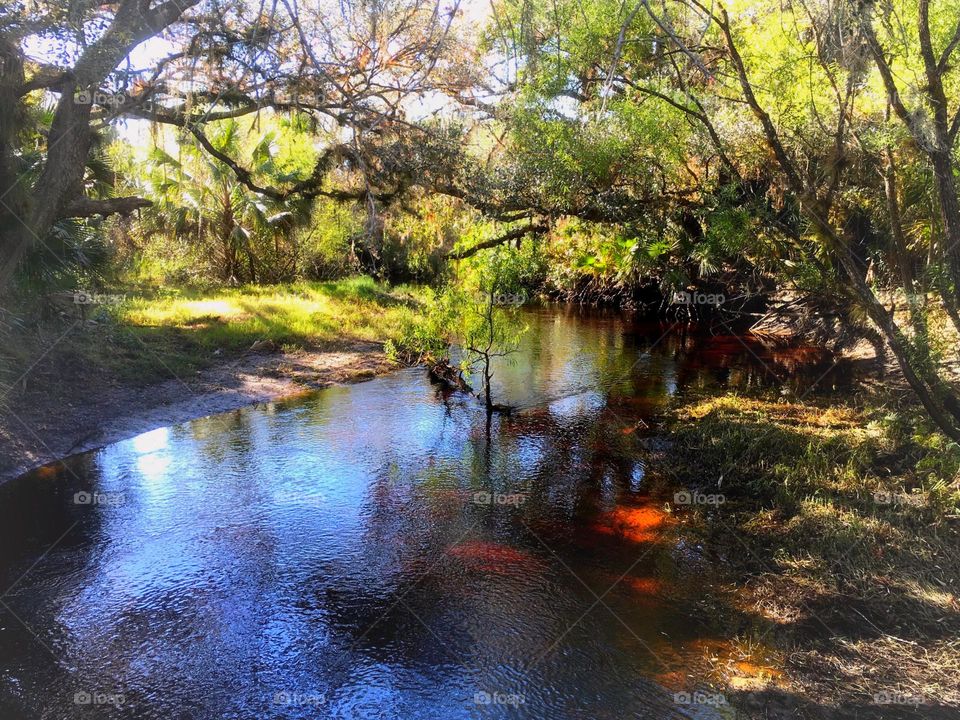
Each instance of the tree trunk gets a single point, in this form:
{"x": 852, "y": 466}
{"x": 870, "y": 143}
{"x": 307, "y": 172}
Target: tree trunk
{"x": 488, "y": 398}
{"x": 949, "y": 214}
{"x": 11, "y": 207}
{"x": 916, "y": 296}
{"x": 937, "y": 398}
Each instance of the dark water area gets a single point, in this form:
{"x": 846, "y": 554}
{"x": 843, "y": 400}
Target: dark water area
{"x": 373, "y": 551}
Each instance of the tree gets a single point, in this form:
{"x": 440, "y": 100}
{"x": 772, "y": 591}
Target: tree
{"x": 474, "y": 318}
{"x": 353, "y": 67}
{"x": 487, "y": 331}
{"x": 100, "y": 37}
{"x": 812, "y": 166}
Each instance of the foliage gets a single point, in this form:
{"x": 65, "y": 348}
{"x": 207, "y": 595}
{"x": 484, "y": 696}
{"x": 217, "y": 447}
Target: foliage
{"x": 232, "y": 233}
{"x": 473, "y": 317}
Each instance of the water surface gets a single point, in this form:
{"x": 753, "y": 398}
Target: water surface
{"x": 376, "y": 551}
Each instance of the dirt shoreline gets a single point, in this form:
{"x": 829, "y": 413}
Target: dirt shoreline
{"x": 47, "y": 424}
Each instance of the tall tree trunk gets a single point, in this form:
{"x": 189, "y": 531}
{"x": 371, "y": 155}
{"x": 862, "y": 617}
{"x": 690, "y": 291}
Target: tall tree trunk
{"x": 916, "y": 296}
{"x": 61, "y": 181}
{"x": 949, "y": 207}
{"x": 937, "y": 398}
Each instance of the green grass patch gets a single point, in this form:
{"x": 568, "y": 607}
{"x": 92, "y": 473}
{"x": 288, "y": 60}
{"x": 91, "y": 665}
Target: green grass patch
{"x": 158, "y": 333}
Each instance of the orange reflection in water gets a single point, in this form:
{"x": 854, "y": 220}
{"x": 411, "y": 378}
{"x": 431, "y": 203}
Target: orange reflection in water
{"x": 638, "y": 524}
{"x": 644, "y": 585}
{"x": 736, "y": 666}
{"x": 724, "y": 661}
{"x": 645, "y": 592}
{"x": 746, "y": 672}
{"x": 48, "y": 472}
{"x": 493, "y": 557}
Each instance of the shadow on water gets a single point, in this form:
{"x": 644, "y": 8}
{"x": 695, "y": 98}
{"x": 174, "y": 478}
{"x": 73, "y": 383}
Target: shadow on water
{"x": 368, "y": 552}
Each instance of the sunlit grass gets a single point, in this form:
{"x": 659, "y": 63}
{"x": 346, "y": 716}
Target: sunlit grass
{"x": 161, "y": 333}
{"x": 295, "y": 314}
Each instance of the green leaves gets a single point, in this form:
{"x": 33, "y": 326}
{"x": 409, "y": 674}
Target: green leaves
{"x": 233, "y": 232}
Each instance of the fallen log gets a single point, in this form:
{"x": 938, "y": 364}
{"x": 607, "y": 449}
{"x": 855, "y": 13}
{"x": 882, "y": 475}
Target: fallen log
{"x": 450, "y": 377}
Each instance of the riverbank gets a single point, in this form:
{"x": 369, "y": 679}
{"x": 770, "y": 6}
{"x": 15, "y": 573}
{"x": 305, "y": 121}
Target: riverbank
{"x": 99, "y": 372}
{"x": 839, "y": 537}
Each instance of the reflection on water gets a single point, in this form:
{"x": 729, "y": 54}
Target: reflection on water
{"x": 367, "y": 552}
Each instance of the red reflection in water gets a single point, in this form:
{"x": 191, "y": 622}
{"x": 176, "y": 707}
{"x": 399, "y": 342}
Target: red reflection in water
{"x": 644, "y": 585}
{"x": 493, "y": 557}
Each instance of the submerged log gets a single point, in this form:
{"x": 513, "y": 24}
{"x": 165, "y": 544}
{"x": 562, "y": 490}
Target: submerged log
{"x": 450, "y": 377}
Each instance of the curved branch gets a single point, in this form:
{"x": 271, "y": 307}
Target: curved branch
{"x": 517, "y": 234}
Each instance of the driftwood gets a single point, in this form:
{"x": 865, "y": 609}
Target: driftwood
{"x": 450, "y": 377}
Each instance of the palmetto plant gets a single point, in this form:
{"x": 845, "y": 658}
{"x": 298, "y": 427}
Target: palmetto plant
{"x": 242, "y": 236}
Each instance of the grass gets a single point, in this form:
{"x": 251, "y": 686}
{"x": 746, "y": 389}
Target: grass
{"x": 842, "y": 537}
{"x": 292, "y": 316}
{"x": 152, "y": 334}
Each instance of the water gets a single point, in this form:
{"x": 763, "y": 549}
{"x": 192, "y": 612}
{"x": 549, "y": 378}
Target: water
{"x": 372, "y": 551}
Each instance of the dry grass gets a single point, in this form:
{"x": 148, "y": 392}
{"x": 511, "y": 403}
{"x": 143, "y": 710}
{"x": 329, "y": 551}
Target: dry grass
{"x": 842, "y": 525}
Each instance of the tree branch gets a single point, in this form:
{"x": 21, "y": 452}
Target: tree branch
{"x": 948, "y": 50}
{"x": 45, "y": 77}
{"x": 769, "y": 129}
{"x": 88, "y": 207}
{"x": 309, "y": 188}
{"x": 516, "y": 234}
{"x": 893, "y": 94}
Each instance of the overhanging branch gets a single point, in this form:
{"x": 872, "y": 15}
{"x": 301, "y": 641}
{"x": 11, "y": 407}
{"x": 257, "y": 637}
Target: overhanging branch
{"x": 88, "y": 207}
{"x": 518, "y": 233}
